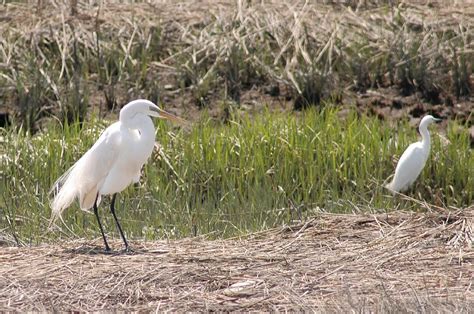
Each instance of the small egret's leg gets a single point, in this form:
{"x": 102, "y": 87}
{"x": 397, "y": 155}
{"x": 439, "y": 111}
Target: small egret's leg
{"x": 96, "y": 212}
{"x": 112, "y": 209}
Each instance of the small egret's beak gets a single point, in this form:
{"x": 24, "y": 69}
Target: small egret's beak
{"x": 437, "y": 119}
{"x": 166, "y": 115}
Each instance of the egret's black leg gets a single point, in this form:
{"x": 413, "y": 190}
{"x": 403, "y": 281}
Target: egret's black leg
{"x": 96, "y": 212}
{"x": 112, "y": 209}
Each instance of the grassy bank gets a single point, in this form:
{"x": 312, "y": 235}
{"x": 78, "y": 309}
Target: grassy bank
{"x": 226, "y": 179}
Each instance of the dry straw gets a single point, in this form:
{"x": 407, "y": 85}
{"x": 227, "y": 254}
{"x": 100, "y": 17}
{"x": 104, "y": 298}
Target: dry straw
{"x": 200, "y": 47}
{"x": 397, "y": 261}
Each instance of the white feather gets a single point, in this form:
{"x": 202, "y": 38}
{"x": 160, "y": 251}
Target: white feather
{"x": 409, "y": 167}
{"x": 84, "y": 178}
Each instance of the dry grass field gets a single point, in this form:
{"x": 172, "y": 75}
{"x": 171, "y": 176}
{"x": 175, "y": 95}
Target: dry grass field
{"x": 396, "y": 262}
{"x": 389, "y": 58}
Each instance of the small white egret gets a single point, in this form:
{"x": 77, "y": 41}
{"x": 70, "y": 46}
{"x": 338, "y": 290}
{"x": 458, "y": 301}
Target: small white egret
{"x": 113, "y": 162}
{"x": 413, "y": 159}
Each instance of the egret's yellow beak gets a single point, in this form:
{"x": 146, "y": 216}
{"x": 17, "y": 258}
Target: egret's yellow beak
{"x": 166, "y": 115}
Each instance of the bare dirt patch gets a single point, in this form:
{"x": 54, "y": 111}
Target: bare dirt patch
{"x": 398, "y": 261}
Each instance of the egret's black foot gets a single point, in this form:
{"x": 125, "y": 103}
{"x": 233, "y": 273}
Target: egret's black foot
{"x": 128, "y": 250}
{"x": 107, "y": 249}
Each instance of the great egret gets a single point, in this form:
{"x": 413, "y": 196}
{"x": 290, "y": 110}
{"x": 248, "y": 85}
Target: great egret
{"x": 113, "y": 162}
{"x": 413, "y": 159}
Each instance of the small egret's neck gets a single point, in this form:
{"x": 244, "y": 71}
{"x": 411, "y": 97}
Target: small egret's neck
{"x": 425, "y": 135}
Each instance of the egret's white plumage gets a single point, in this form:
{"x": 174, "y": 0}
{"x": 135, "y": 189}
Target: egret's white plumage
{"x": 113, "y": 162}
{"x": 413, "y": 159}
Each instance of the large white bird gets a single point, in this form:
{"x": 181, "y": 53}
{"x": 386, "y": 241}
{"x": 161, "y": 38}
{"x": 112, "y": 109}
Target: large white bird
{"x": 413, "y": 159}
{"x": 113, "y": 162}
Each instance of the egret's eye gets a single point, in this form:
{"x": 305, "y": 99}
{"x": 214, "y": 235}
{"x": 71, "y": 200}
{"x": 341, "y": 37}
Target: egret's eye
{"x": 151, "y": 108}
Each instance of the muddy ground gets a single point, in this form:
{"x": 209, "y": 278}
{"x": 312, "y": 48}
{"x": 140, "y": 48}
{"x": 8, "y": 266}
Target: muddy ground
{"x": 385, "y": 262}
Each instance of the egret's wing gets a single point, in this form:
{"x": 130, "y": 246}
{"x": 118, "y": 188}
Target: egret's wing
{"x": 409, "y": 167}
{"x": 84, "y": 178}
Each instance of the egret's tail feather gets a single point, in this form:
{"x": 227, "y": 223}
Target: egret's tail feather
{"x": 75, "y": 183}
{"x": 392, "y": 187}
{"x": 86, "y": 200}
{"x": 64, "y": 192}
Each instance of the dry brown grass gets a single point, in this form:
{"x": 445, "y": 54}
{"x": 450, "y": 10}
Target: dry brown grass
{"x": 386, "y": 262}
{"x": 193, "y": 54}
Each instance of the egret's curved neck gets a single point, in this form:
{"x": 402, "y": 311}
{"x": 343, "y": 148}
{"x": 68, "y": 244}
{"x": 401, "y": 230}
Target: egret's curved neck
{"x": 146, "y": 128}
{"x": 142, "y": 123}
{"x": 425, "y": 135}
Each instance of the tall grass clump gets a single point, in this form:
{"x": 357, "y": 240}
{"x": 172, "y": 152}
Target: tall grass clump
{"x": 226, "y": 179}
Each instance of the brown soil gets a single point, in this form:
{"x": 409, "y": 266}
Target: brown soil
{"x": 386, "y": 262}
